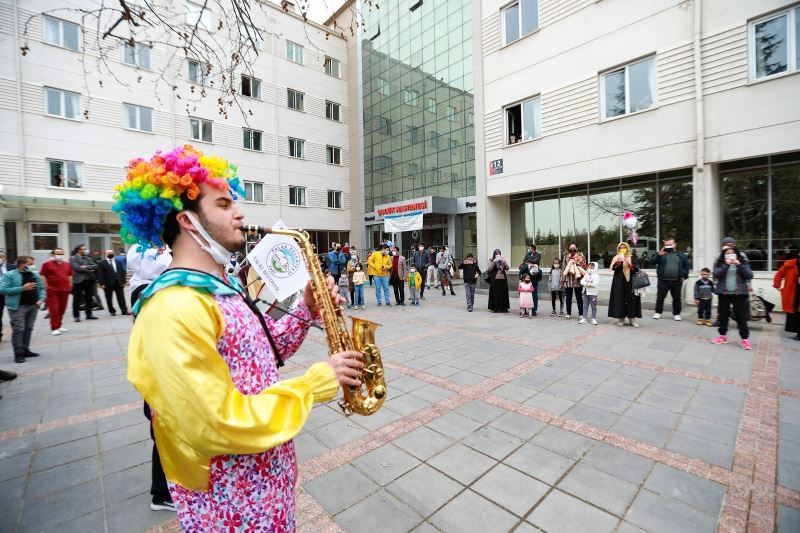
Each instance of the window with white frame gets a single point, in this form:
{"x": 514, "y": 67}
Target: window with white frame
{"x": 198, "y": 71}
{"x": 432, "y": 105}
{"x": 297, "y": 195}
{"x": 332, "y": 67}
{"x": 197, "y": 15}
{"x": 385, "y": 125}
{"x": 523, "y": 121}
{"x": 137, "y": 55}
{"x": 332, "y": 111}
{"x": 294, "y": 52}
{"x": 628, "y": 89}
{"x": 451, "y": 113}
{"x": 63, "y": 104}
{"x": 334, "y": 155}
{"x": 65, "y": 174}
{"x": 520, "y": 19}
{"x": 252, "y": 139}
{"x": 251, "y": 87}
{"x": 433, "y": 139}
{"x": 250, "y": 36}
{"x": 775, "y": 43}
{"x": 334, "y": 199}
{"x": 201, "y": 130}
{"x": 61, "y": 33}
{"x": 138, "y": 117}
{"x": 384, "y": 87}
{"x": 410, "y": 97}
{"x": 297, "y": 148}
{"x": 415, "y": 134}
{"x": 295, "y": 99}
{"x": 253, "y": 192}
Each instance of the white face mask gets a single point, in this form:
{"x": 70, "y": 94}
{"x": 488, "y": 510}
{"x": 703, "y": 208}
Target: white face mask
{"x": 730, "y": 257}
{"x": 218, "y": 253}
{"x": 59, "y": 257}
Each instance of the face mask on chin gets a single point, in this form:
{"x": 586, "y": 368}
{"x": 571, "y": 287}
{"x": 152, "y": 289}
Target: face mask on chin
{"x": 218, "y": 253}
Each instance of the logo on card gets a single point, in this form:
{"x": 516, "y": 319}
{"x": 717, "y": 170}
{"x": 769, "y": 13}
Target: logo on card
{"x": 283, "y": 260}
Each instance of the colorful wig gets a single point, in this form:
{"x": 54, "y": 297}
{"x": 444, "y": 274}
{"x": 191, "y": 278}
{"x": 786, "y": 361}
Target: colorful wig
{"x": 156, "y": 187}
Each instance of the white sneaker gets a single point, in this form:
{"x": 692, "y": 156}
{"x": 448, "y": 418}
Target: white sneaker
{"x": 677, "y": 317}
{"x": 55, "y": 332}
{"x": 566, "y": 317}
{"x": 63, "y": 330}
{"x": 163, "y": 506}
{"x": 582, "y": 321}
{"x": 635, "y": 323}
{"x": 656, "y": 316}
{"x": 594, "y": 322}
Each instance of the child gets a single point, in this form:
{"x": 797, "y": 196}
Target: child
{"x": 358, "y": 284}
{"x": 471, "y": 274}
{"x": 344, "y": 288}
{"x": 556, "y": 290}
{"x": 414, "y": 281}
{"x": 590, "y": 283}
{"x": 525, "y": 289}
{"x": 703, "y": 293}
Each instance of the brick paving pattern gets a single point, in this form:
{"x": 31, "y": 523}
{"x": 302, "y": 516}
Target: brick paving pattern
{"x": 493, "y": 423}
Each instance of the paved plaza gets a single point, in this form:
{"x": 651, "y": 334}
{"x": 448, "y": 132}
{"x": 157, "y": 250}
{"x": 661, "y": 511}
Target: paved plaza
{"x": 493, "y": 423}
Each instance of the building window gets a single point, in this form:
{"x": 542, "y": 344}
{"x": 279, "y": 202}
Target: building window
{"x": 433, "y": 139}
{"x": 432, "y": 105}
{"x": 415, "y": 134}
{"x": 383, "y": 164}
{"x": 137, "y": 55}
{"x": 294, "y": 52}
{"x": 252, "y": 139}
{"x": 332, "y": 67}
{"x": 334, "y": 155}
{"x": 470, "y": 151}
{"x": 251, "y": 87}
{"x": 451, "y": 113}
{"x": 138, "y": 118}
{"x": 470, "y": 118}
{"x": 196, "y": 15}
{"x": 63, "y": 104}
{"x": 454, "y": 144}
{"x": 385, "y": 125}
{"x": 384, "y": 87}
{"x": 198, "y": 72}
{"x": 628, "y": 89}
{"x": 520, "y": 19}
{"x": 253, "y": 192}
{"x": 775, "y": 44}
{"x": 410, "y": 97}
{"x": 297, "y": 148}
{"x": 332, "y": 110}
{"x": 201, "y": 130}
{"x": 61, "y": 33}
{"x": 523, "y": 121}
{"x": 335, "y": 199}
{"x": 250, "y": 36}
{"x": 295, "y": 99}
{"x": 297, "y": 195}
{"x": 65, "y": 174}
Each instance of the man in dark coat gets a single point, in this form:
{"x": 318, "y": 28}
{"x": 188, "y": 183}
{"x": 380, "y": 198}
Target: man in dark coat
{"x": 111, "y": 276}
{"x": 672, "y": 268}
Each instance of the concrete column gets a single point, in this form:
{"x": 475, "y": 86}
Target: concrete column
{"x": 2, "y": 228}
{"x": 497, "y": 229}
{"x": 63, "y": 236}
{"x": 707, "y": 216}
{"x": 23, "y": 236}
{"x": 451, "y": 232}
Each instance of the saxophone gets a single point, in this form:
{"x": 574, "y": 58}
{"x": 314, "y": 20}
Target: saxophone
{"x": 369, "y": 397}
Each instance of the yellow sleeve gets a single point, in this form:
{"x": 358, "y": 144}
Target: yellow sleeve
{"x": 174, "y": 363}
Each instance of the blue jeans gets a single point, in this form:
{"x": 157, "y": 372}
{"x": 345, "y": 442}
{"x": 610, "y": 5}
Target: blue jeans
{"x": 358, "y": 298}
{"x": 382, "y": 283}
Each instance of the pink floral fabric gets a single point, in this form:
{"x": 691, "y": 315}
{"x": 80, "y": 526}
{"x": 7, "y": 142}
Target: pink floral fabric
{"x": 248, "y": 492}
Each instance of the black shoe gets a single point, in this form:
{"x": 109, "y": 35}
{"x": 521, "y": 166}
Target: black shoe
{"x": 29, "y": 353}
{"x": 797, "y": 338}
{"x": 77, "y": 319}
{"x": 125, "y": 313}
{"x": 113, "y": 314}
{"x": 19, "y": 359}
{"x": 452, "y": 293}
{"x": 444, "y": 293}
{"x": 98, "y": 308}
{"x": 5, "y": 375}
{"x": 91, "y": 317}
{"x": 534, "y": 313}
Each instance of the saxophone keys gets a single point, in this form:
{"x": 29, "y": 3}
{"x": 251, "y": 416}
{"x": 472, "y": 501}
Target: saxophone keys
{"x": 379, "y": 392}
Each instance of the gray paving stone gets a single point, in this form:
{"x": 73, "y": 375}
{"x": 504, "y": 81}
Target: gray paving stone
{"x": 605, "y": 402}
{"x": 699, "y": 493}
{"x": 11, "y": 493}
{"x": 339, "y": 433}
{"x": 462, "y": 463}
{"x": 386, "y": 464}
{"x": 124, "y": 436}
{"x": 570, "y": 445}
{"x": 715, "y": 431}
{"x": 540, "y": 463}
{"x": 657, "y": 513}
{"x": 120, "y": 486}
{"x": 340, "y": 488}
{"x": 379, "y": 512}
{"x": 550, "y": 403}
{"x": 127, "y": 456}
{"x": 64, "y": 453}
{"x": 788, "y": 520}
{"x": 789, "y": 472}
{"x": 15, "y": 466}
{"x": 19, "y": 446}
{"x": 702, "y": 448}
{"x": 651, "y": 432}
{"x": 481, "y": 411}
{"x": 627, "y": 527}
{"x": 307, "y": 447}
{"x": 129, "y": 418}
{"x": 425, "y": 527}
{"x": 94, "y": 521}
{"x": 518, "y": 425}
{"x": 563, "y": 513}
{"x": 618, "y": 463}
{"x": 61, "y": 506}
{"x": 606, "y": 491}
{"x": 424, "y": 489}
{"x": 513, "y": 392}
{"x": 787, "y": 431}
{"x": 406, "y": 404}
{"x": 432, "y": 393}
{"x": 61, "y": 477}
{"x": 492, "y": 442}
{"x": 454, "y": 425}
{"x": 470, "y": 512}
{"x": 591, "y": 415}
{"x": 510, "y": 489}
{"x": 134, "y": 515}
{"x": 423, "y": 443}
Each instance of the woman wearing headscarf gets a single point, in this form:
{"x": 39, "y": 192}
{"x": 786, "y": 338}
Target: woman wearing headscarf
{"x": 624, "y": 302}
{"x": 786, "y": 281}
{"x": 498, "y": 283}
{"x": 732, "y": 274}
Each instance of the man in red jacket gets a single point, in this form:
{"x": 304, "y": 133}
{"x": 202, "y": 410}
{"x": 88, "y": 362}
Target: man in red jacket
{"x": 57, "y": 275}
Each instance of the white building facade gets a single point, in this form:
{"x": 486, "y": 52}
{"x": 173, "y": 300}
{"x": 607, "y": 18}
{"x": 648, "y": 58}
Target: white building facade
{"x": 683, "y": 113}
{"x": 68, "y": 128}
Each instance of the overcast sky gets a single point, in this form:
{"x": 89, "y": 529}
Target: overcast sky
{"x": 320, "y": 10}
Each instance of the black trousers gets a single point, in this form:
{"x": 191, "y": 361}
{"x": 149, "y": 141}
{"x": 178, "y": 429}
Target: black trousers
{"x": 399, "y": 290}
{"x": 82, "y": 293}
{"x": 578, "y": 292}
{"x": 674, "y": 289}
{"x": 120, "y": 292}
{"x": 741, "y": 306}
{"x": 2, "y": 308}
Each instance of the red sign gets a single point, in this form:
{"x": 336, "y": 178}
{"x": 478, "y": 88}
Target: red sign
{"x": 402, "y": 208}
{"x": 495, "y": 167}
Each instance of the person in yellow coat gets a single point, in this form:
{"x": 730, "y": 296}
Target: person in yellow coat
{"x": 414, "y": 282}
{"x": 379, "y": 266}
{"x": 206, "y": 360}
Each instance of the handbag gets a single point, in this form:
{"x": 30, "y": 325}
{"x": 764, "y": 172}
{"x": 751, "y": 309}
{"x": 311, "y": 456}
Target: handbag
{"x": 640, "y": 280}
{"x": 486, "y": 276}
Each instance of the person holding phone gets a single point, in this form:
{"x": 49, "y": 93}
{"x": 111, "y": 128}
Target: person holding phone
{"x": 24, "y": 293}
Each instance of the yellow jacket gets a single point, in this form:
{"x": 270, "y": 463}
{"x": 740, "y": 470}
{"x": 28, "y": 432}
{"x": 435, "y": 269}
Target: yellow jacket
{"x": 379, "y": 264}
{"x": 174, "y": 364}
{"x": 417, "y": 280}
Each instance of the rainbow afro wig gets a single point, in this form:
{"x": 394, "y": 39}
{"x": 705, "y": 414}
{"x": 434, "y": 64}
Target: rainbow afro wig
{"x": 156, "y": 187}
